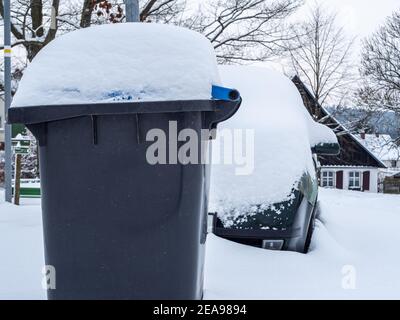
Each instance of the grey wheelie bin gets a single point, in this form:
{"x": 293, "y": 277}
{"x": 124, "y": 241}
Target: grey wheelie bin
{"x": 117, "y": 226}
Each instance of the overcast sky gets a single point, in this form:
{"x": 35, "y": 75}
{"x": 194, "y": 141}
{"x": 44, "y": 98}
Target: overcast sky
{"x": 361, "y": 17}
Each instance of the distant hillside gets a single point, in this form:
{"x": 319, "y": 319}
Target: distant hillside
{"x": 356, "y": 119}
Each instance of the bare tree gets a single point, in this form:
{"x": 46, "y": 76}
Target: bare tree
{"x": 380, "y": 67}
{"x": 244, "y": 30}
{"x": 320, "y": 55}
{"x": 28, "y": 27}
{"x": 239, "y": 29}
{"x": 37, "y": 22}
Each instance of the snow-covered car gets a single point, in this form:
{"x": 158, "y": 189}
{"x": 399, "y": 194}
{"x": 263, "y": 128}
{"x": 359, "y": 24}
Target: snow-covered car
{"x": 273, "y": 205}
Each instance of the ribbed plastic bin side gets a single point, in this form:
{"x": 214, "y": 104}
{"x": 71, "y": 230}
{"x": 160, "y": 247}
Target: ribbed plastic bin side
{"x": 116, "y": 226}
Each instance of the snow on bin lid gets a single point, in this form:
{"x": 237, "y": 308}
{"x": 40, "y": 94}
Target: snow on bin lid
{"x": 119, "y": 63}
{"x": 284, "y": 133}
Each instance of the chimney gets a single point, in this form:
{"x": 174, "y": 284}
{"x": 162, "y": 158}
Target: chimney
{"x": 362, "y": 135}
{"x": 377, "y": 134}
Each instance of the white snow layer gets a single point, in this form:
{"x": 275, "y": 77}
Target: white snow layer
{"x": 120, "y": 62}
{"x": 21, "y": 250}
{"x": 284, "y": 133}
{"x": 353, "y": 255}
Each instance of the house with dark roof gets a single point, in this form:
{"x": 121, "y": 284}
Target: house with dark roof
{"x": 384, "y": 147}
{"x": 356, "y": 167}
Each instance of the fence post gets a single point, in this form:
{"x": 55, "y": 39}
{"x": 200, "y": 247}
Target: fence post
{"x": 17, "y": 179}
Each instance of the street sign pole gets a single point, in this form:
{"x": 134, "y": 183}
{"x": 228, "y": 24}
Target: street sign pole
{"x": 7, "y": 100}
{"x": 132, "y": 10}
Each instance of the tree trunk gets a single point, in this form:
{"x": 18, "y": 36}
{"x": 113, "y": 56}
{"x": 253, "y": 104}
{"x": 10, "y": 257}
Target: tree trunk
{"x": 32, "y": 49}
{"x": 37, "y": 18}
{"x": 87, "y": 10}
{"x": 17, "y": 179}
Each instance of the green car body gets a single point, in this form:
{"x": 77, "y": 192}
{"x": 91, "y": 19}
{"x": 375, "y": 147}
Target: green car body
{"x": 273, "y": 207}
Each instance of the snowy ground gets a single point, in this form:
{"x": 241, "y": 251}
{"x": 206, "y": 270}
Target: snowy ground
{"x": 21, "y": 250}
{"x": 354, "y": 254}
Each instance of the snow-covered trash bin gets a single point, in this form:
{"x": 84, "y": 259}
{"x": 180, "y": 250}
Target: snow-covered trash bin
{"x": 122, "y": 114}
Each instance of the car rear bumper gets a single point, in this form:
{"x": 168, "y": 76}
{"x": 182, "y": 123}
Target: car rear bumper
{"x": 254, "y": 233}
{"x": 294, "y": 237}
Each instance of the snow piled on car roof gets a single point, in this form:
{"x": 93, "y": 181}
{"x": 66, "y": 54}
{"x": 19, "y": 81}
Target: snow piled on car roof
{"x": 284, "y": 133}
{"x": 119, "y": 63}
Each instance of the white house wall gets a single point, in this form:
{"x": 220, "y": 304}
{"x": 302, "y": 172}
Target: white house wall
{"x": 373, "y": 179}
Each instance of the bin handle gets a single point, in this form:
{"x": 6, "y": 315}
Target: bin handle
{"x": 40, "y": 114}
{"x": 224, "y": 112}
